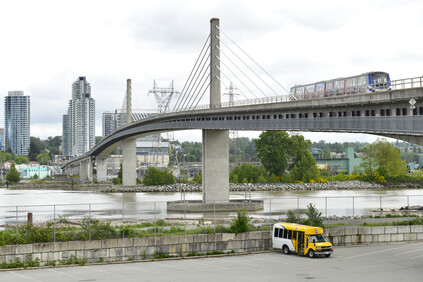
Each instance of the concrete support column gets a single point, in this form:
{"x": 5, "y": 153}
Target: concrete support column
{"x": 215, "y": 166}
{"x": 83, "y": 171}
{"x": 129, "y": 173}
{"x": 101, "y": 169}
{"x": 89, "y": 170}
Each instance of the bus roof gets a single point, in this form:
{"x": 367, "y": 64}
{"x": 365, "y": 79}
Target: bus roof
{"x": 305, "y": 228}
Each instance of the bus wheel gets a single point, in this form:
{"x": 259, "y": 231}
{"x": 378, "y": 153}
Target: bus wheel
{"x": 328, "y": 255}
{"x": 285, "y": 250}
{"x": 311, "y": 253}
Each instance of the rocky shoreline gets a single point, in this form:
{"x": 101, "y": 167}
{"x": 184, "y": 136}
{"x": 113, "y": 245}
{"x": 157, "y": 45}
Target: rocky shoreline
{"x": 250, "y": 187}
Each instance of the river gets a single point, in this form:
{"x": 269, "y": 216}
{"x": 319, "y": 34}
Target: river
{"x": 49, "y": 204}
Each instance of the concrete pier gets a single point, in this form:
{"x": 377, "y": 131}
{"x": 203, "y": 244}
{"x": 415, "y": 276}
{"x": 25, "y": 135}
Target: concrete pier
{"x": 129, "y": 173}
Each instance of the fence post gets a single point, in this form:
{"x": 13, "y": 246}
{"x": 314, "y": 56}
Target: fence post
{"x": 89, "y": 221}
{"x": 270, "y": 213}
{"x": 154, "y": 219}
{"x": 353, "y": 207}
{"x": 54, "y": 223}
{"x": 17, "y": 231}
{"x": 381, "y": 210}
{"x": 326, "y": 209}
{"x": 123, "y": 220}
{"x": 298, "y": 209}
{"x": 214, "y": 215}
{"x": 185, "y": 216}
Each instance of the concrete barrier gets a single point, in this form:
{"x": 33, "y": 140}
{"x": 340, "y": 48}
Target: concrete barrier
{"x": 147, "y": 247}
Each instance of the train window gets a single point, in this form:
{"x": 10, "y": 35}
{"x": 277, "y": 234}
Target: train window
{"x": 320, "y": 89}
{"x": 253, "y": 117}
{"x": 293, "y": 116}
{"x": 388, "y": 112}
{"x": 330, "y": 90}
{"x": 382, "y": 112}
{"x": 358, "y": 113}
{"x": 345, "y": 114}
{"x": 275, "y": 116}
{"x": 372, "y": 113}
{"x": 339, "y": 87}
{"x": 306, "y": 115}
{"x": 404, "y": 111}
{"x": 280, "y": 116}
{"x": 367, "y": 113}
{"x": 263, "y": 117}
{"x": 353, "y": 113}
{"x": 322, "y": 114}
{"x": 309, "y": 92}
{"x": 300, "y": 115}
{"x": 315, "y": 115}
{"x": 287, "y": 115}
{"x": 339, "y": 114}
{"x": 415, "y": 112}
{"x": 257, "y": 117}
{"x": 420, "y": 110}
{"x": 398, "y": 112}
{"x": 268, "y": 116}
{"x": 347, "y": 86}
{"x": 331, "y": 114}
{"x": 248, "y": 117}
{"x": 299, "y": 93}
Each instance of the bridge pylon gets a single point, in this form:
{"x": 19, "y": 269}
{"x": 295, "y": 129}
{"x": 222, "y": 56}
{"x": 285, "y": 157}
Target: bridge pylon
{"x": 215, "y": 142}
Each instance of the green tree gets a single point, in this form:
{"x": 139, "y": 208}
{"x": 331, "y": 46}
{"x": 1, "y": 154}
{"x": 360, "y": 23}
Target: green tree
{"x": 13, "y": 175}
{"x": 43, "y": 159}
{"x": 314, "y": 217}
{"x": 21, "y": 160}
{"x": 198, "y": 178}
{"x": 303, "y": 166}
{"x": 273, "y": 148}
{"x": 35, "y": 147}
{"x": 153, "y": 176}
{"x": 246, "y": 171}
{"x": 382, "y": 154}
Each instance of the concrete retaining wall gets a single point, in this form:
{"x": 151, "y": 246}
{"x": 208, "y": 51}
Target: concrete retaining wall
{"x": 147, "y": 247}
{"x": 138, "y": 248}
{"x": 374, "y": 234}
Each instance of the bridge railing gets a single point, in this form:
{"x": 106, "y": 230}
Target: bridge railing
{"x": 399, "y": 84}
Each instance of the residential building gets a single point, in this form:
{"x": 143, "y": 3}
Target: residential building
{"x": 1, "y": 139}
{"x": 79, "y": 125}
{"x": 17, "y": 122}
{"x": 109, "y": 123}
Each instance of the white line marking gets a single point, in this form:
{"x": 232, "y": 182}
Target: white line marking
{"x": 25, "y": 276}
{"x": 102, "y": 271}
{"x": 63, "y": 273}
{"x": 416, "y": 257}
{"x": 372, "y": 253}
{"x": 139, "y": 268}
{"x": 175, "y": 267}
{"x": 196, "y": 262}
{"x": 418, "y": 250}
{"x": 232, "y": 261}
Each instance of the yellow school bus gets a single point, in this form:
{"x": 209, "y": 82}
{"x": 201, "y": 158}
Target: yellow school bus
{"x": 300, "y": 239}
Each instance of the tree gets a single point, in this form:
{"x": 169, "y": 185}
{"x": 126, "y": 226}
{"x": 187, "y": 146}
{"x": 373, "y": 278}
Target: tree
{"x": 249, "y": 172}
{"x": 272, "y": 149}
{"x": 21, "y": 160}
{"x": 382, "y": 154}
{"x": 314, "y": 216}
{"x": 35, "y": 147}
{"x": 281, "y": 154}
{"x": 43, "y": 159}
{"x": 13, "y": 175}
{"x": 153, "y": 176}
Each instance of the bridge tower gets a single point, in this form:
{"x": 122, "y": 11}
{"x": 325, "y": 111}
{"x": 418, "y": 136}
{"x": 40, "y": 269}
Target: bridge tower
{"x": 129, "y": 173}
{"x": 215, "y": 142}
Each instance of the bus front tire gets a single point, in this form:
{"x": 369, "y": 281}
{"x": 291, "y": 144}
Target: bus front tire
{"x": 311, "y": 254}
{"x": 285, "y": 250}
{"x": 328, "y": 255}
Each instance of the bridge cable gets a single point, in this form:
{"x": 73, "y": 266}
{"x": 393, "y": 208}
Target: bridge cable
{"x": 243, "y": 73}
{"x": 192, "y": 82}
{"x": 205, "y": 89}
{"x": 199, "y": 55}
{"x": 223, "y": 73}
{"x": 249, "y": 68}
{"x": 238, "y": 78}
{"x": 189, "y": 104}
{"x": 254, "y": 61}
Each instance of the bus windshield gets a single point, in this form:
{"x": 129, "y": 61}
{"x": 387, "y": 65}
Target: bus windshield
{"x": 317, "y": 238}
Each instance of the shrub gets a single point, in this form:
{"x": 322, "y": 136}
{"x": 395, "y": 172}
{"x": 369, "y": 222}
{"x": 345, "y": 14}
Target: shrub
{"x": 240, "y": 224}
{"x": 314, "y": 216}
{"x": 13, "y": 175}
{"x": 291, "y": 217}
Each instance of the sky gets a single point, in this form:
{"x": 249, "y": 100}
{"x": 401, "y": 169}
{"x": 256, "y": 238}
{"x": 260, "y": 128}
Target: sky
{"x": 46, "y": 45}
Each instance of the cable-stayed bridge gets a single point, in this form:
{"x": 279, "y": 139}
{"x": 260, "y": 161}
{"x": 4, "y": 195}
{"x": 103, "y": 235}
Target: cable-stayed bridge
{"x": 395, "y": 110}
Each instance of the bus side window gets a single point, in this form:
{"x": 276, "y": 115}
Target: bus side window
{"x": 281, "y": 233}
{"x": 276, "y": 232}
{"x": 285, "y": 234}
{"x": 290, "y": 234}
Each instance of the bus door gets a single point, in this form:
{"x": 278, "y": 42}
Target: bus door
{"x": 300, "y": 242}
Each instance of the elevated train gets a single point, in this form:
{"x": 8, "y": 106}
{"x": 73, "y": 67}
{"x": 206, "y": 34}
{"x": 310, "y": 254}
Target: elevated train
{"x": 363, "y": 83}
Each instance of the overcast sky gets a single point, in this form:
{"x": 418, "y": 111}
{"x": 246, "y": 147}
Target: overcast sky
{"x": 46, "y": 45}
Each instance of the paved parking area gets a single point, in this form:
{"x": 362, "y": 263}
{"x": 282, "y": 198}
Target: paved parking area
{"x": 393, "y": 262}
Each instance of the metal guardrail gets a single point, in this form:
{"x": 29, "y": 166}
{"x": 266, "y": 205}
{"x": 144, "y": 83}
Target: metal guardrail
{"x": 407, "y": 83}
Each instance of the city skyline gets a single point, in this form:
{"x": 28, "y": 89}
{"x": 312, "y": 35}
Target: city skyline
{"x": 296, "y": 43}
